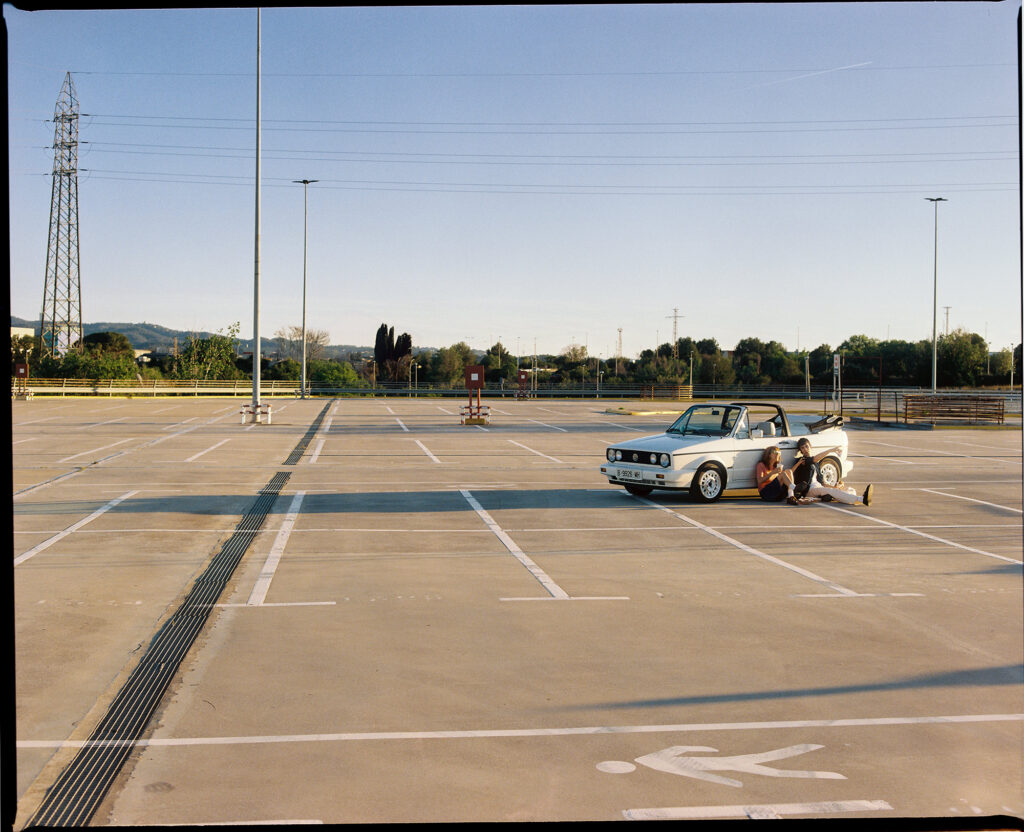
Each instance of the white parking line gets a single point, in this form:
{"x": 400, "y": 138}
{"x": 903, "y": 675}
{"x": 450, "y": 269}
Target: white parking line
{"x": 554, "y": 589}
{"x": 971, "y": 500}
{"x": 756, "y": 811}
{"x": 944, "y": 453}
{"x": 919, "y": 533}
{"x": 94, "y": 450}
{"x": 498, "y": 733}
{"x": 35, "y": 550}
{"x": 427, "y": 452}
{"x": 316, "y": 451}
{"x": 624, "y": 427}
{"x": 259, "y": 591}
{"x": 179, "y": 424}
{"x": 402, "y": 424}
{"x": 108, "y": 422}
{"x": 532, "y": 451}
{"x": 211, "y": 448}
{"x": 752, "y": 551}
{"x": 547, "y": 425}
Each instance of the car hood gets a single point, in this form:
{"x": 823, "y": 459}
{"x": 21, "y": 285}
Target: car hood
{"x": 663, "y": 442}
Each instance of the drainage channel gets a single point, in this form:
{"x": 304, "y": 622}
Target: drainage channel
{"x": 300, "y": 449}
{"x": 74, "y": 797}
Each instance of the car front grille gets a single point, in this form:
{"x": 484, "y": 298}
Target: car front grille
{"x": 639, "y": 457}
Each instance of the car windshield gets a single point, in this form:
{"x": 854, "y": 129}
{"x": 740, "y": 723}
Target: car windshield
{"x": 706, "y": 420}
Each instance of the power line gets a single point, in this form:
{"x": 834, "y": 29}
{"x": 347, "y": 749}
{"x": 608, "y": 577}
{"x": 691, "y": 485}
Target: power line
{"x": 347, "y": 157}
{"x": 592, "y": 74}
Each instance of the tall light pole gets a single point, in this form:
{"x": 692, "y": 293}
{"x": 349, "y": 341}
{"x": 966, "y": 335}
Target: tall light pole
{"x": 305, "y": 224}
{"x": 256, "y": 277}
{"x": 935, "y": 292}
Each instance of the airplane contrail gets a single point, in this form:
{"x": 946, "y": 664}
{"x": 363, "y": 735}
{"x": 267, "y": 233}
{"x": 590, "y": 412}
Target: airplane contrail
{"x": 809, "y": 75}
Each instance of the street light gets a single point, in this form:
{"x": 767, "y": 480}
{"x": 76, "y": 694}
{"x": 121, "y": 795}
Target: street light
{"x": 305, "y": 216}
{"x": 935, "y": 292}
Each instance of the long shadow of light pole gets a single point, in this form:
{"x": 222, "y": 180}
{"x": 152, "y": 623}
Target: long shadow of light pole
{"x": 1011, "y": 674}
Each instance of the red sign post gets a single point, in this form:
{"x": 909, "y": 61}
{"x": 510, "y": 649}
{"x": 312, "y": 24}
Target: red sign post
{"x": 475, "y": 413}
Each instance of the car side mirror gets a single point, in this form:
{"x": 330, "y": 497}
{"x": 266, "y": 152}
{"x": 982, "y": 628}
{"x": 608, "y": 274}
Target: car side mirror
{"x": 757, "y": 433}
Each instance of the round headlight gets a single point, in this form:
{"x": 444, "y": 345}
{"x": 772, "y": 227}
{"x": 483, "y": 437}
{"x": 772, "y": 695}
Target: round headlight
{"x": 618, "y": 455}
{"x": 666, "y": 460}
{"x": 654, "y": 459}
{"x": 611, "y": 454}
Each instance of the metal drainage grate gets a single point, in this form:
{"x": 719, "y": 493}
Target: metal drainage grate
{"x": 300, "y": 449}
{"x": 73, "y": 799}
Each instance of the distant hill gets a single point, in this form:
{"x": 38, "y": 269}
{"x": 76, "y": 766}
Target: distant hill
{"x": 146, "y": 336}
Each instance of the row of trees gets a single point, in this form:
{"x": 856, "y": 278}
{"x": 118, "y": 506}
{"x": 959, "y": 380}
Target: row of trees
{"x": 963, "y": 360}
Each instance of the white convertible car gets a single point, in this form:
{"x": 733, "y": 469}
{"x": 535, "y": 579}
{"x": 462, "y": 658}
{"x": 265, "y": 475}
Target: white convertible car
{"x": 714, "y": 448}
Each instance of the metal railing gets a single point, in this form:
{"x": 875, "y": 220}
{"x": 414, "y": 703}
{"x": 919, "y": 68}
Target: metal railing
{"x": 868, "y": 401}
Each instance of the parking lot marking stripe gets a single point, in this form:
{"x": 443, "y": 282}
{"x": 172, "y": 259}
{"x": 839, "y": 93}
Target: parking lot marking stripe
{"x": 498, "y": 733}
{"x": 402, "y": 424}
{"x": 108, "y": 422}
{"x": 532, "y": 451}
{"x": 919, "y": 533}
{"x": 179, "y": 424}
{"x": 259, "y": 591}
{"x": 547, "y": 425}
{"x": 554, "y": 589}
{"x": 45, "y": 483}
{"x": 94, "y": 450}
{"x": 886, "y": 459}
{"x": 751, "y": 550}
{"x": 35, "y": 550}
{"x": 427, "y": 452}
{"x": 574, "y": 598}
{"x": 212, "y": 448}
{"x": 971, "y": 499}
{"x": 945, "y": 453}
{"x": 767, "y": 810}
{"x": 316, "y": 451}
{"x": 624, "y": 427}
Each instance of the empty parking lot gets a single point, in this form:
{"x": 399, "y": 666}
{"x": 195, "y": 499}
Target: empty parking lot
{"x": 409, "y": 619}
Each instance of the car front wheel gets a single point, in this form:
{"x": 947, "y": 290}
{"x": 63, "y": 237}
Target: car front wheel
{"x": 708, "y": 483}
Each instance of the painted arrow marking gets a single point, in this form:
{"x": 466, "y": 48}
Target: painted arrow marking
{"x": 674, "y": 760}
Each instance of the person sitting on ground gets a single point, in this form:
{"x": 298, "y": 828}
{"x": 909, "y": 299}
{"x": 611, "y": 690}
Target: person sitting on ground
{"x": 774, "y": 482}
{"x": 807, "y": 483}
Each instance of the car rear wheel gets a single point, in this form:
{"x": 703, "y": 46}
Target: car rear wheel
{"x": 638, "y": 490}
{"x": 708, "y": 483}
{"x": 830, "y": 471}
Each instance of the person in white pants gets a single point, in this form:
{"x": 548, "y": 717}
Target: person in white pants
{"x": 805, "y": 470}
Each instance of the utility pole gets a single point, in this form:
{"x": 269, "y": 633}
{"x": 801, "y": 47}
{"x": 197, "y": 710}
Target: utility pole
{"x": 305, "y": 217}
{"x": 256, "y": 361}
{"x": 618, "y": 359}
{"x": 935, "y": 292}
{"x": 60, "y": 327}
{"x": 675, "y": 316}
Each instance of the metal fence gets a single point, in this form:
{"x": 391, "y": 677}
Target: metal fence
{"x": 868, "y": 402}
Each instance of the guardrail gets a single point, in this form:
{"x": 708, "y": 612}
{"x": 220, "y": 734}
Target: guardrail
{"x": 887, "y": 402}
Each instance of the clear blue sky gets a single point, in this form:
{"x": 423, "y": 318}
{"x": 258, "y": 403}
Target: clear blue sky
{"x": 544, "y": 174}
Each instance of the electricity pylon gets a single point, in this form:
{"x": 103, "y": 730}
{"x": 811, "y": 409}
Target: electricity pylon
{"x": 61, "y": 320}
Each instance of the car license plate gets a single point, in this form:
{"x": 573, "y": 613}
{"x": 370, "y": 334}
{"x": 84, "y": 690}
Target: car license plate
{"x": 628, "y": 474}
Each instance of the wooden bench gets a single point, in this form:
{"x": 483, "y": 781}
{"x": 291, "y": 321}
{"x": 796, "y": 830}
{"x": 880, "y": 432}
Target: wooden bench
{"x": 971, "y": 409}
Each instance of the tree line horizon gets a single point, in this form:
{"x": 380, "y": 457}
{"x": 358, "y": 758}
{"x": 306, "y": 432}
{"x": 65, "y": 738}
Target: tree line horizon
{"x": 963, "y": 360}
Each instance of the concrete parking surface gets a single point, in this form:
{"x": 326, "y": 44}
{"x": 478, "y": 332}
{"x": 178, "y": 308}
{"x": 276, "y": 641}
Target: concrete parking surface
{"x": 439, "y": 622}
